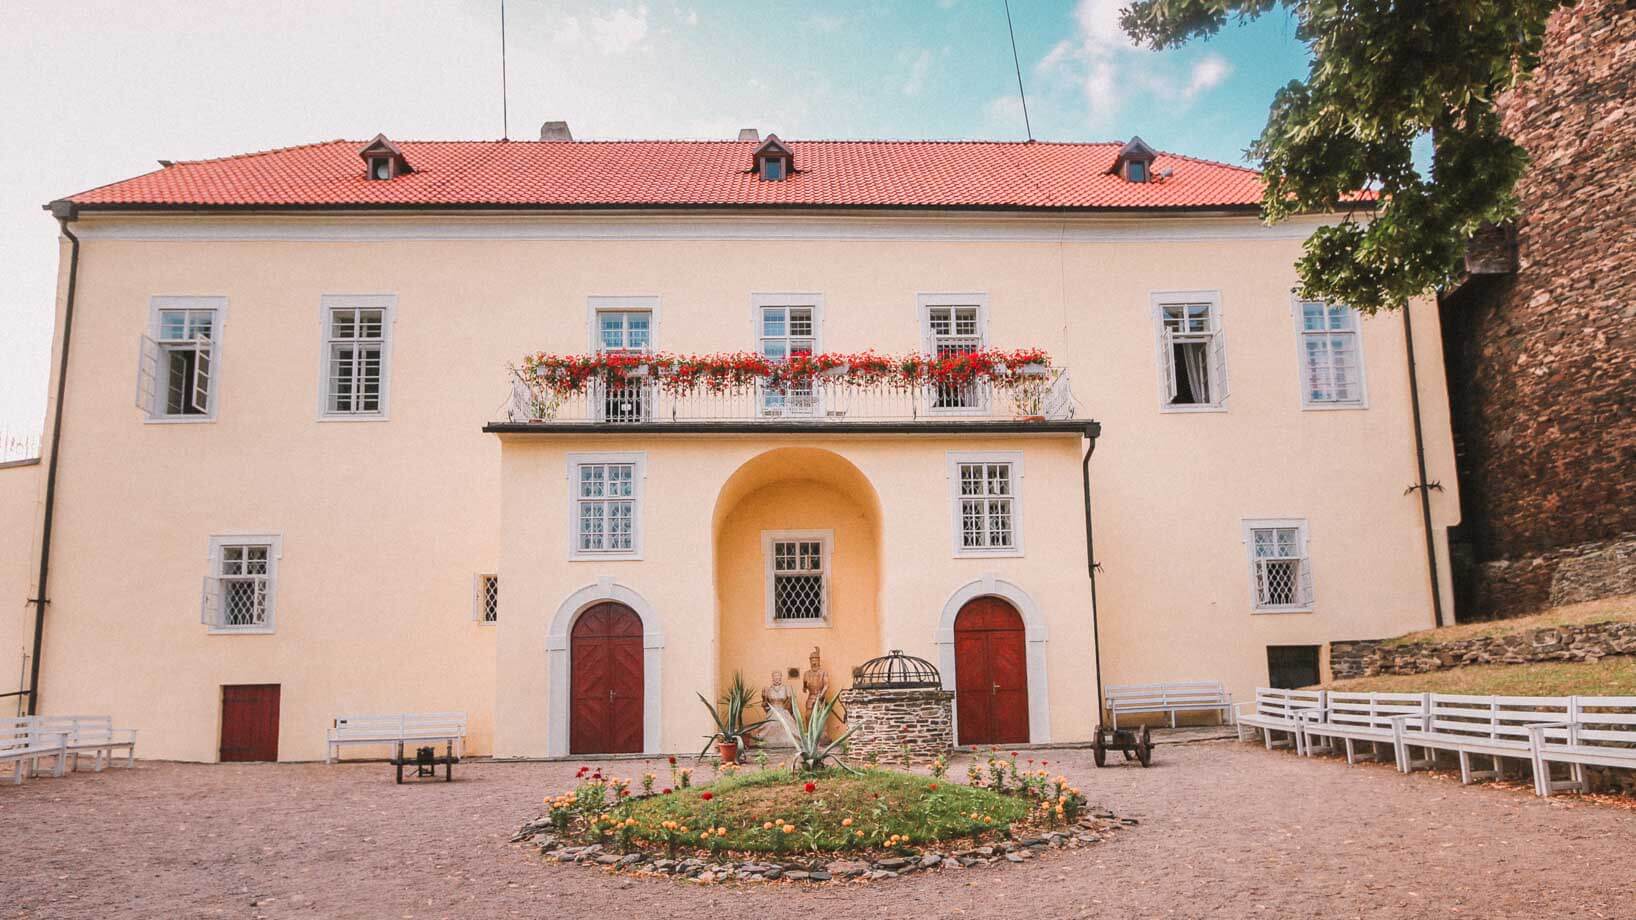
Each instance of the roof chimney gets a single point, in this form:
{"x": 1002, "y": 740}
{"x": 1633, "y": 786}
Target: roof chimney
{"x": 749, "y": 134}
{"x": 555, "y": 131}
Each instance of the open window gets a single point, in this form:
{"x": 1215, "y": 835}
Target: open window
{"x": 240, "y": 591}
{"x": 177, "y": 360}
{"x": 383, "y": 160}
{"x": 1192, "y": 350}
{"x": 1280, "y": 569}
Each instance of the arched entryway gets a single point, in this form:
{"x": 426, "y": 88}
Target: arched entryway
{"x": 990, "y": 673}
{"x": 605, "y": 653}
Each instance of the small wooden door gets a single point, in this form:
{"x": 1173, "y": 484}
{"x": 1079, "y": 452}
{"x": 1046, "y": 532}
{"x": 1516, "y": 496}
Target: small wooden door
{"x": 605, "y": 655}
{"x": 249, "y": 722}
{"x": 990, "y": 673}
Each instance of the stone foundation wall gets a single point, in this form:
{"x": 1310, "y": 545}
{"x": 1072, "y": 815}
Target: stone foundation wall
{"x": 1589, "y": 642}
{"x": 883, "y": 721}
{"x": 1569, "y": 575}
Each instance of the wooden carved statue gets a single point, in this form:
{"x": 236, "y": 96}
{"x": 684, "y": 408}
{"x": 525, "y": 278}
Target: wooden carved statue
{"x": 814, "y": 683}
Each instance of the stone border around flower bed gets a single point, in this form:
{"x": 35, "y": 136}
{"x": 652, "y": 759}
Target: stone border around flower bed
{"x": 1088, "y": 830}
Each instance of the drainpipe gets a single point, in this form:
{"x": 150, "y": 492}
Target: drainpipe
{"x": 1422, "y": 486}
{"x": 65, "y": 212}
{"x": 1090, "y": 566}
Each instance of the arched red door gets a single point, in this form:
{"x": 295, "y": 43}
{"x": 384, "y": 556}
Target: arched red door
{"x": 605, "y": 655}
{"x": 990, "y": 673}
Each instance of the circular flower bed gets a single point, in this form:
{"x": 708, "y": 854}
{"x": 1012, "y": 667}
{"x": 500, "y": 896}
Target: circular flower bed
{"x": 772, "y": 823}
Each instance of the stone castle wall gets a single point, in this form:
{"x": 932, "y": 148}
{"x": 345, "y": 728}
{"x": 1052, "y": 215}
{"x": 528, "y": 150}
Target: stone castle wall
{"x": 1542, "y": 362}
{"x": 884, "y": 721}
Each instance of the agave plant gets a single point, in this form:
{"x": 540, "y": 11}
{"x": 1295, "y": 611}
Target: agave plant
{"x": 729, "y": 716}
{"x": 807, "y": 735}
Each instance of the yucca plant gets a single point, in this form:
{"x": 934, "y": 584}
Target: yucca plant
{"x": 807, "y": 735}
{"x": 729, "y": 716}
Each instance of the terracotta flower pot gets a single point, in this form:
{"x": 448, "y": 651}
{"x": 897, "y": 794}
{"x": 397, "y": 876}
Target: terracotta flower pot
{"x": 728, "y": 751}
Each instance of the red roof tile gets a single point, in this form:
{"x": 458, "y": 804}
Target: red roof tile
{"x": 592, "y": 174}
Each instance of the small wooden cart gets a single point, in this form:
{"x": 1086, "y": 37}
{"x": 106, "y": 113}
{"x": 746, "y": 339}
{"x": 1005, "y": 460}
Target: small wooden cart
{"x": 1135, "y": 743}
{"x": 425, "y": 761}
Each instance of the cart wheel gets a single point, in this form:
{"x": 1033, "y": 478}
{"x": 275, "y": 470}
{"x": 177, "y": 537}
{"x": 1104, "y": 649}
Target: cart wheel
{"x": 1099, "y": 753}
{"x": 1144, "y": 747}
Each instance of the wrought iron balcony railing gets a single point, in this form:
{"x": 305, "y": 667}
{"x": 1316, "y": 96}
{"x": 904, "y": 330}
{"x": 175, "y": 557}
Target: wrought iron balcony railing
{"x": 819, "y": 400}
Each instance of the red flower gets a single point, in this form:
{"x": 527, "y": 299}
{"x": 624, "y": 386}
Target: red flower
{"x": 582, "y": 772}
{"x": 810, "y": 787}
{"x": 707, "y": 796}
{"x": 932, "y": 787}
{"x": 624, "y": 792}
{"x": 1013, "y": 755}
{"x": 665, "y": 791}
{"x": 672, "y": 759}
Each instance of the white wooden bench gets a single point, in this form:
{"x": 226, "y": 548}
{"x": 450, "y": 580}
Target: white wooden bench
{"x": 1276, "y": 710}
{"x": 1170, "y": 698}
{"x": 1352, "y": 718}
{"x": 1495, "y": 727}
{"x": 23, "y": 746}
{"x": 94, "y": 735}
{"x": 397, "y": 729}
{"x": 1599, "y": 731}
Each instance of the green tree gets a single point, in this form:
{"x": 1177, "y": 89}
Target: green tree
{"x": 1384, "y": 73}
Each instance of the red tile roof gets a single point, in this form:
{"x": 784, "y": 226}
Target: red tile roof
{"x": 700, "y": 174}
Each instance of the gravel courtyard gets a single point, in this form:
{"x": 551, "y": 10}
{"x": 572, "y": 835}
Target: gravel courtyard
{"x": 1227, "y": 830}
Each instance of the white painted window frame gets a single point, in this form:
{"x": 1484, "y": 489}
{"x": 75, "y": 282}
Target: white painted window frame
{"x": 156, "y": 305}
{"x": 927, "y": 301}
{"x": 952, "y": 472}
{"x": 811, "y": 300}
{"x": 213, "y": 560}
{"x": 479, "y": 598}
{"x": 1305, "y": 580}
{"x": 639, "y": 475}
{"x": 1157, "y": 301}
{"x": 1307, "y": 402}
{"x": 826, "y": 540}
{"x": 597, "y": 304}
{"x": 388, "y": 304}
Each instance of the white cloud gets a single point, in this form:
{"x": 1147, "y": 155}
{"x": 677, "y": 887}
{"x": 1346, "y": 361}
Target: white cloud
{"x": 917, "y": 73}
{"x": 1208, "y": 73}
{"x": 619, "y": 31}
{"x": 824, "y": 22}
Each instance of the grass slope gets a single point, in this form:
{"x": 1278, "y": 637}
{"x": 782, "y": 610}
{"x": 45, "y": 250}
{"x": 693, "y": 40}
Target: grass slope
{"x": 843, "y": 811}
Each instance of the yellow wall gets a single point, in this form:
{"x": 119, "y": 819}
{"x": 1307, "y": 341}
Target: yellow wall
{"x": 19, "y": 535}
{"x": 385, "y": 523}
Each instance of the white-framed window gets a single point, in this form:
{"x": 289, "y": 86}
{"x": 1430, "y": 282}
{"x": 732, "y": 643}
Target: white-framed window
{"x": 241, "y": 589}
{"x": 178, "y": 360}
{"x": 1280, "y": 567}
{"x": 357, "y": 356}
{"x": 1192, "y": 350}
{"x": 787, "y": 326}
{"x": 623, "y": 325}
{"x": 605, "y": 504}
{"x": 955, "y": 324}
{"x": 986, "y": 492}
{"x": 797, "y": 564}
{"x": 1331, "y": 355}
{"x": 485, "y": 602}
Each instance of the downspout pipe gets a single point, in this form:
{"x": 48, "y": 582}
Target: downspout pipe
{"x": 1090, "y": 562}
{"x": 65, "y": 212}
{"x": 1422, "y": 486}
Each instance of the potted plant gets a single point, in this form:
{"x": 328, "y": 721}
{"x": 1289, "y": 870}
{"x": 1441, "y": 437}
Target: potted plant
{"x": 731, "y": 731}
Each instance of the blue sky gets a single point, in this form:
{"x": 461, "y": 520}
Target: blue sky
{"x": 97, "y": 90}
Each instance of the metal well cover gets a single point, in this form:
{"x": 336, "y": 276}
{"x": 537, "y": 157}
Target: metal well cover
{"x": 896, "y": 671}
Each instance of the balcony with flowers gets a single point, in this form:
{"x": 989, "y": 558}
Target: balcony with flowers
{"x": 985, "y": 388}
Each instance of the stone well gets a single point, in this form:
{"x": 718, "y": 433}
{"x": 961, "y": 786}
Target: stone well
{"x": 898, "y": 701}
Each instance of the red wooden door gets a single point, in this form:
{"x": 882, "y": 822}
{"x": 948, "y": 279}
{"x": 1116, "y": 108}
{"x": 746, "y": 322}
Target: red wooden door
{"x": 990, "y": 673}
{"x": 249, "y": 722}
{"x": 605, "y": 655}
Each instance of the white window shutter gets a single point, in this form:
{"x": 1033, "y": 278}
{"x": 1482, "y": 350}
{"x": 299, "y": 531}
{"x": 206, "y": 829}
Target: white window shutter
{"x": 1218, "y": 366}
{"x": 204, "y": 364}
{"x": 210, "y": 603}
{"x": 1305, "y": 599}
{"x": 1167, "y": 359}
{"x": 147, "y": 375}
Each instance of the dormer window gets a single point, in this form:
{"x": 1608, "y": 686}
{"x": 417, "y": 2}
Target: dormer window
{"x": 1134, "y": 163}
{"x": 383, "y": 160}
{"x": 773, "y": 161}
